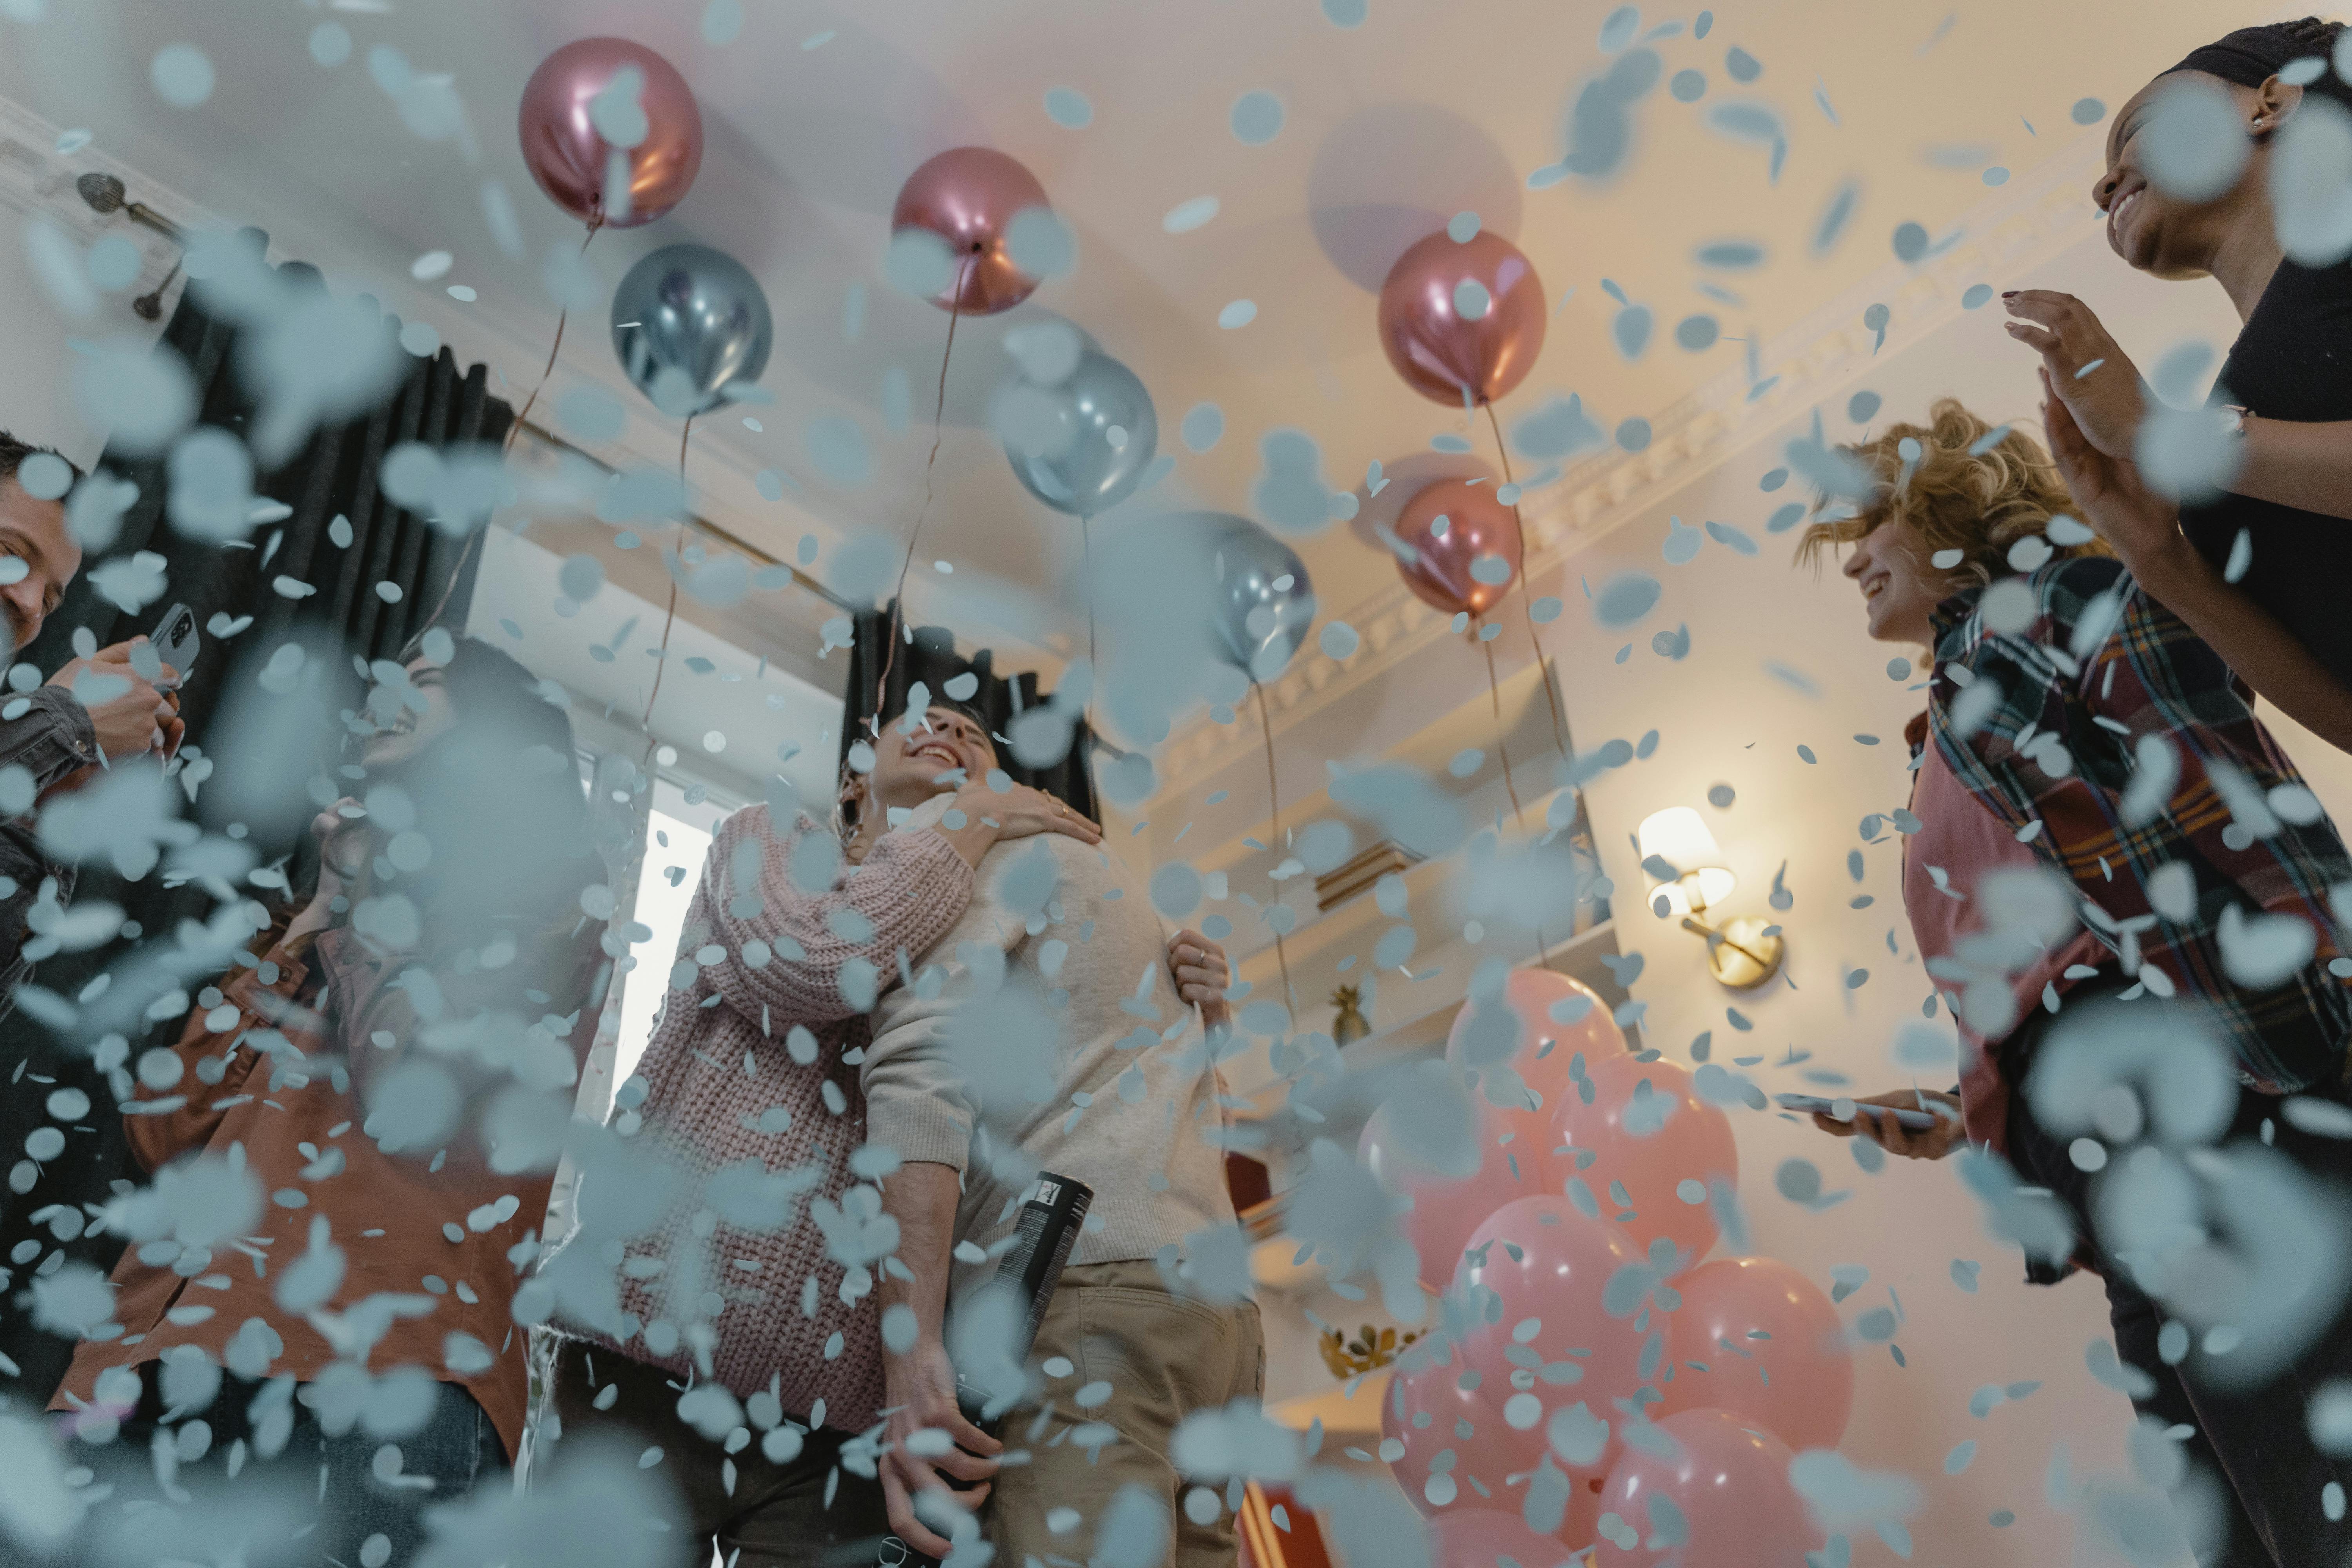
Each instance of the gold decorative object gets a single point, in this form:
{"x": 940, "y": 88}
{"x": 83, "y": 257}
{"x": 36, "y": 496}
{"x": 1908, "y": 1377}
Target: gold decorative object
{"x": 1371, "y": 1348}
{"x": 1680, "y": 857}
{"x": 1350, "y": 1025}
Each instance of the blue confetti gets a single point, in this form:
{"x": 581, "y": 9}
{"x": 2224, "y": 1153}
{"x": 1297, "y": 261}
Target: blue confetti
{"x": 1203, "y": 427}
{"x": 2088, "y": 111}
{"x": 1631, "y": 327}
{"x": 1256, "y": 118}
{"x": 1730, "y": 255}
{"x": 1626, "y": 598}
{"x": 1687, "y": 86}
{"x": 1741, "y": 66}
{"x": 1068, "y": 108}
{"x": 1186, "y": 216}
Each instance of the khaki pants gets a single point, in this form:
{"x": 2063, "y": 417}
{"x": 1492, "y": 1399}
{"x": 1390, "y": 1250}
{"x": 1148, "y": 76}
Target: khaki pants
{"x": 1164, "y": 1356}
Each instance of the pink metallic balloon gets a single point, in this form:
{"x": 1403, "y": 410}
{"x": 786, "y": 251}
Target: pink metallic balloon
{"x": 1427, "y": 1411}
{"x": 1651, "y": 1140}
{"x": 1448, "y": 1206}
{"x": 1796, "y": 1380}
{"x": 1458, "y": 318}
{"x": 1728, "y": 1488}
{"x": 1484, "y": 1537}
{"x": 969, "y": 197}
{"x": 569, "y": 156}
{"x": 1477, "y": 525}
{"x": 1558, "y": 1277}
{"x": 1542, "y": 1049}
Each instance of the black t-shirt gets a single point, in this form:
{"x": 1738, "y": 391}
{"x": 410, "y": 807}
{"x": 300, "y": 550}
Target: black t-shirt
{"x": 2293, "y": 360}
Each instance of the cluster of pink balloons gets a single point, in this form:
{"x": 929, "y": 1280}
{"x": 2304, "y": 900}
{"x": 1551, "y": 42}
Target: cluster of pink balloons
{"x": 1595, "y": 1168}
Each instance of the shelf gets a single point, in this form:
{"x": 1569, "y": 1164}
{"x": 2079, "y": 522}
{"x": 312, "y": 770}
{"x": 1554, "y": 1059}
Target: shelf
{"x": 1421, "y": 1012}
{"x": 1341, "y": 1415}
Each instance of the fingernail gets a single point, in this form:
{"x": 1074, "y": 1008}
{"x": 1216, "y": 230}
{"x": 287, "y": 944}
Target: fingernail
{"x": 2009, "y": 294}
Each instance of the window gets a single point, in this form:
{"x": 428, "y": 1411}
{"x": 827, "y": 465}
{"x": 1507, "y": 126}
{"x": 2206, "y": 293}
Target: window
{"x": 680, "y": 838}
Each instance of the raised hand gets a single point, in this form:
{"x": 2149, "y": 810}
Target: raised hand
{"x": 2084, "y": 366}
{"x": 2143, "y": 527}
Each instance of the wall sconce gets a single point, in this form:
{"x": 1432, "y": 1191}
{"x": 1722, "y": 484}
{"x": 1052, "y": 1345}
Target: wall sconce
{"x": 1689, "y": 879}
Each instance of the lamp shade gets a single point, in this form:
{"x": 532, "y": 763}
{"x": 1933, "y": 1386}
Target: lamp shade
{"x": 1676, "y": 840}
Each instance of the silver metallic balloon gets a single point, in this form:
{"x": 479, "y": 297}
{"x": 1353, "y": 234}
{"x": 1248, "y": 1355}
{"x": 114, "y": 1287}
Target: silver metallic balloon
{"x": 1264, "y": 603}
{"x": 1081, "y": 444}
{"x": 688, "y": 324}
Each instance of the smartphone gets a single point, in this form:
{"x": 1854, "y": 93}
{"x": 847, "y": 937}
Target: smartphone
{"x": 1814, "y": 1105}
{"x": 175, "y": 640}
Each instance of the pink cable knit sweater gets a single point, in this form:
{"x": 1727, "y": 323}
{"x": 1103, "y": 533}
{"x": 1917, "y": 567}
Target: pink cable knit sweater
{"x": 724, "y": 1087}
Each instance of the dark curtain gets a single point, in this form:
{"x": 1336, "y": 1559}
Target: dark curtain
{"x": 334, "y": 476}
{"x": 931, "y": 658}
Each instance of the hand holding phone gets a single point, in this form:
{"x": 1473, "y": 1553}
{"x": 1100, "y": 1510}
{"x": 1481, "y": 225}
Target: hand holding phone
{"x": 175, "y": 640}
{"x": 1814, "y": 1105}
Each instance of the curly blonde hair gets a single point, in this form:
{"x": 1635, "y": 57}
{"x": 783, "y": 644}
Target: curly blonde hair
{"x": 1955, "y": 497}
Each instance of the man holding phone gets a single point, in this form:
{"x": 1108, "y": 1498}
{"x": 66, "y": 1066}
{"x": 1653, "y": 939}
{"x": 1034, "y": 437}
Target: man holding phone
{"x": 95, "y": 711}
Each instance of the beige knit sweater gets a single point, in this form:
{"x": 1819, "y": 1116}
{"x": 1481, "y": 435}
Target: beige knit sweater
{"x": 1044, "y": 1032}
{"x": 731, "y": 1108}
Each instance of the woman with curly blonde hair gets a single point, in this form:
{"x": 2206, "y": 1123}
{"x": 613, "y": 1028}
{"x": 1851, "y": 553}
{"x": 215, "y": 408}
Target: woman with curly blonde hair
{"x": 2058, "y": 689}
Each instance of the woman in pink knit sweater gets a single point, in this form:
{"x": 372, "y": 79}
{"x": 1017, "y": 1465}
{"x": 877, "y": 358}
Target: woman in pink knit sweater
{"x": 715, "y": 1301}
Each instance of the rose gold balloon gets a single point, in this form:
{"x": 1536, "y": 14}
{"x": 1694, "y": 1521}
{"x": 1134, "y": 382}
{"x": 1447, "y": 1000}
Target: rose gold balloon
{"x": 1444, "y": 337}
{"x": 567, "y": 156}
{"x": 969, "y": 197}
{"x": 1477, "y": 524}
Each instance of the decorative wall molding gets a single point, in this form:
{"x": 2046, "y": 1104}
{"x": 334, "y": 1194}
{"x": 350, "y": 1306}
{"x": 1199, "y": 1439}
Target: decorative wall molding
{"x": 2022, "y": 227}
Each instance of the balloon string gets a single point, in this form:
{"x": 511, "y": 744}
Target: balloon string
{"x": 1273, "y": 806}
{"x": 1495, "y": 690}
{"x": 1552, "y": 690}
{"x": 938, "y": 433}
{"x": 1094, "y": 664}
{"x": 473, "y": 540}
{"x": 562, "y": 317}
{"x": 669, "y": 616}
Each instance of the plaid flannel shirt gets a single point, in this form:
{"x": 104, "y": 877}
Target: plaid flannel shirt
{"x": 2068, "y": 730}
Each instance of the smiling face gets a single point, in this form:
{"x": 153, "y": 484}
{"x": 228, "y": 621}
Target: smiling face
{"x": 1899, "y": 590}
{"x": 32, "y": 531}
{"x": 914, "y": 762}
{"x": 2162, "y": 235}
{"x": 410, "y": 731}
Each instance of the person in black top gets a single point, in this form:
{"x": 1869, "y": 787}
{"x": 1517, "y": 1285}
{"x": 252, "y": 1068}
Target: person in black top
{"x": 2283, "y": 396}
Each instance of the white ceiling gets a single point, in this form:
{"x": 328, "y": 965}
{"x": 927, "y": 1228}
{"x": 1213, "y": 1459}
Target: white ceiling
{"x": 1428, "y": 108}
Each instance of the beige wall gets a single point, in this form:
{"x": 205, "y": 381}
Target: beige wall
{"x": 1725, "y": 719}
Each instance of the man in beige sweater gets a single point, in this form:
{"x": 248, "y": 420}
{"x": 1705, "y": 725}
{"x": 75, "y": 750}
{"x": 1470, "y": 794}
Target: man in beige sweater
{"x": 1046, "y": 1031}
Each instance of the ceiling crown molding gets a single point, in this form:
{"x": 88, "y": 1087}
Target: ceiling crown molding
{"x": 2029, "y": 221}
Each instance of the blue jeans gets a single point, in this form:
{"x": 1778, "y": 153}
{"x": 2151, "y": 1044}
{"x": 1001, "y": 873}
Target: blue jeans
{"x": 299, "y": 1497}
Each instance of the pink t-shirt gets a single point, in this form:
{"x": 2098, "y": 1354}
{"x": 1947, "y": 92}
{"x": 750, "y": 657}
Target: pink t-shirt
{"x": 1960, "y": 838}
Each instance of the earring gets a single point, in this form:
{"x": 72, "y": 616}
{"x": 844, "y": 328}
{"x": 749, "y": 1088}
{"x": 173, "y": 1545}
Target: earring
{"x": 2258, "y": 122}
